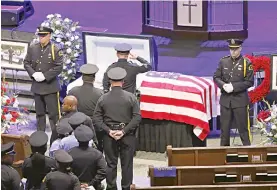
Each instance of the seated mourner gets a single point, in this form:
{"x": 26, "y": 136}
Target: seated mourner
{"x": 88, "y": 163}
{"x": 36, "y": 166}
{"x": 75, "y": 121}
{"x": 64, "y": 130}
{"x": 62, "y": 179}
{"x": 10, "y": 179}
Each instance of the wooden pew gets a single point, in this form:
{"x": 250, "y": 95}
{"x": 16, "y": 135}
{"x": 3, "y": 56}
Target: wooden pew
{"x": 208, "y": 156}
{"x": 212, "y": 187}
{"x": 210, "y": 175}
{"x": 21, "y": 147}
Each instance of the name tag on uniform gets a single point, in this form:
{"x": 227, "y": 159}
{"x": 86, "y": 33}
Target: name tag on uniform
{"x": 225, "y": 68}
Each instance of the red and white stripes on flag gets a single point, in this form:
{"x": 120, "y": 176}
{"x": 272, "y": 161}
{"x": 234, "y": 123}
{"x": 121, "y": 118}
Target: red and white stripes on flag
{"x": 181, "y": 98}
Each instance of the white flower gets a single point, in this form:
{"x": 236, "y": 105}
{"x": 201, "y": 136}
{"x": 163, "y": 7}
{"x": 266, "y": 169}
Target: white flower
{"x": 77, "y": 46}
{"x": 47, "y": 24}
{"x": 16, "y": 103}
{"x": 268, "y": 119}
{"x": 58, "y": 15}
{"x": 73, "y": 65}
{"x": 68, "y": 43}
{"x": 66, "y": 20}
{"x": 8, "y": 117}
{"x": 67, "y": 61}
{"x": 273, "y": 127}
{"x": 58, "y": 40}
{"x": 57, "y": 31}
{"x": 50, "y": 16}
{"x": 42, "y": 24}
{"x": 76, "y": 37}
{"x": 76, "y": 54}
{"x": 275, "y": 136}
{"x": 58, "y": 22}
{"x": 64, "y": 67}
{"x": 67, "y": 34}
{"x": 73, "y": 29}
{"x": 68, "y": 50}
{"x": 72, "y": 38}
{"x": 270, "y": 134}
{"x": 69, "y": 71}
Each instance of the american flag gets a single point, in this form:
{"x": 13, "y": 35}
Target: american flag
{"x": 181, "y": 98}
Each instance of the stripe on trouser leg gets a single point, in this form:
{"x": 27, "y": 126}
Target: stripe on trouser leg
{"x": 248, "y": 125}
{"x": 59, "y": 107}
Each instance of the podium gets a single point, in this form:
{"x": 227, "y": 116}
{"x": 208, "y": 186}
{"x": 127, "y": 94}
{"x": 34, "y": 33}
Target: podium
{"x": 195, "y": 20}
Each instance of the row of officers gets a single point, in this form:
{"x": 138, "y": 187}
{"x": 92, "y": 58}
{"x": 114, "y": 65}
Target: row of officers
{"x": 78, "y": 162}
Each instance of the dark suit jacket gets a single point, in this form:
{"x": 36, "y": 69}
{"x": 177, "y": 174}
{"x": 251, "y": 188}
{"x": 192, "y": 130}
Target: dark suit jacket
{"x": 40, "y": 59}
{"x": 239, "y": 97}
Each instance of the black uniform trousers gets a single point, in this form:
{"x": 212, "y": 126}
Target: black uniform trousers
{"x": 100, "y": 136}
{"x": 240, "y": 116}
{"x": 123, "y": 148}
{"x": 52, "y": 103}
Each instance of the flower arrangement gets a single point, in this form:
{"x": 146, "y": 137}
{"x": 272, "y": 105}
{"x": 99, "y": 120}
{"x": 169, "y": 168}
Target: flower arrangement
{"x": 267, "y": 123}
{"x": 260, "y": 63}
{"x": 65, "y": 36}
{"x": 11, "y": 113}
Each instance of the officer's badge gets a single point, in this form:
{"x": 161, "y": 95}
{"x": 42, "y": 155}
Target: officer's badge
{"x": 37, "y": 61}
{"x": 233, "y": 41}
{"x": 250, "y": 68}
{"x": 60, "y": 53}
{"x": 41, "y": 28}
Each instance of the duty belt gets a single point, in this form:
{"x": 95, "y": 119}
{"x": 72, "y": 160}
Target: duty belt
{"x": 119, "y": 126}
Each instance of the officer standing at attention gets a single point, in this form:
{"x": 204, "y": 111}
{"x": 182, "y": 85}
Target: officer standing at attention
{"x": 88, "y": 163}
{"x": 44, "y": 62}
{"x": 118, "y": 113}
{"x": 87, "y": 96}
{"x": 62, "y": 179}
{"x": 132, "y": 69}
{"x": 234, "y": 76}
{"x": 10, "y": 179}
{"x": 36, "y": 166}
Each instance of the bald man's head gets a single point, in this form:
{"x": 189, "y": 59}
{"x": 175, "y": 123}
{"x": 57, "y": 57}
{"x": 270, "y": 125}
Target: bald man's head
{"x": 69, "y": 104}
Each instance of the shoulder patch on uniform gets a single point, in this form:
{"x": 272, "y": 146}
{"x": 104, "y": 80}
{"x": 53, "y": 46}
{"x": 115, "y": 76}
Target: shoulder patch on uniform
{"x": 227, "y": 56}
{"x": 250, "y": 67}
{"x": 60, "y": 53}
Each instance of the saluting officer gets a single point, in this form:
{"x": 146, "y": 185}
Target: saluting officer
{"x": 87, "y": 96}
{"x": 234, "y": 76}
{"x": 118, "y": 113}
{"x": 88, "y": 163}
{"x": 132, "y": 69}
{"x": 36, "y": 166}
{"x": 10, "y": 179}
{"x": 62, "y": 178}
{"x": 44, "y": 62}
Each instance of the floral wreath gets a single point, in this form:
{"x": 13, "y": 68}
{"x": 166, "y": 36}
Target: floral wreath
{"x": 260, "y": 63}
{"x": 67, "y": 38}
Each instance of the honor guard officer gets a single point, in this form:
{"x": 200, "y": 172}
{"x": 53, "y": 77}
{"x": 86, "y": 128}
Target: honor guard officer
{"x": 44, "y": 62}
{"x": 10, "y": 179}
{"x": 132, "y": 69}
{"x": 87, "y": 96}
{"x": 37, "y": 166}
{"x": 62, "y": 178}
{"x": 88, "y": 163}
{"x": 118, "y": 113}
{"x": 234, "y": 76}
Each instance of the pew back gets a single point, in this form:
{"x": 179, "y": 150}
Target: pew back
{"x": 204, "y": 156}
{"x": 209, "y": 175}
{"x": 212, "y": 187}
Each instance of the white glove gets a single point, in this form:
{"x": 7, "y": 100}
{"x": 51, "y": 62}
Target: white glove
{"x": 38, "y": 76}
{"x": 228, "y": 87}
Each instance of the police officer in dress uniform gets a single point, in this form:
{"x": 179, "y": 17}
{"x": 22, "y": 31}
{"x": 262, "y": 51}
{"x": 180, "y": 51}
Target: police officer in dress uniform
{"x": 10, "y": 179}
{"x": 62, "y": 179}
{"x": 132, "y": 69}
{"x": 88, "y": 163}
{"x": 234, "y": 76}
{"x": 64, "y": 130}
{"x": 36, "y": 166}
{"x": 44, "y": 62}
{"x": 87, "y": 96}
{"x": 118, "y": 113}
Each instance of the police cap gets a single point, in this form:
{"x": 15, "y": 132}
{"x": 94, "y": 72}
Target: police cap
{"x": 117, "y": 74}
{"x": 89, "y": 69}
{"x": 38, "y": 139}
{"x": 42, "y": 30}
{"x": 123, "y": 47}
{"x": 7, "y": 148}
{"x": 63, "y": 127}
{"x": 234, "y": 43}
{"x": 77, "y": 119}
{"x": 83, "y": 133}
{"x": 62, "y": 156}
